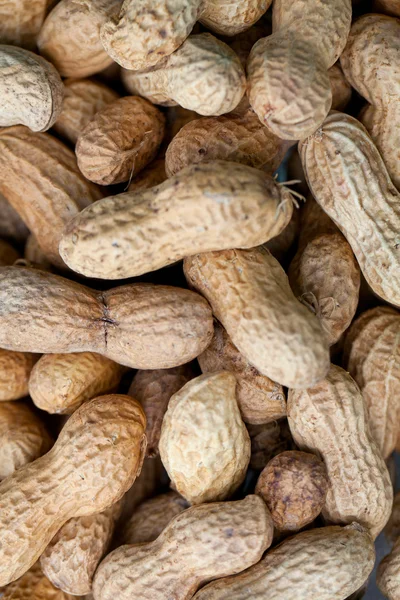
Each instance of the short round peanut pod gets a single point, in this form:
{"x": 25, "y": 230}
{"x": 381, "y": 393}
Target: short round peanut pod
{"x": 15, "y": 370}
{"x": 294, "y": 486}
{"x": 227, "y": 18}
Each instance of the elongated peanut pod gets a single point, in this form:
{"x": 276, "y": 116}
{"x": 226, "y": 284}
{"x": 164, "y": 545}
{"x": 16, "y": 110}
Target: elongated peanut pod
{"x": 349, "y": 180}
{"x": 205, "y": 207}
{"x": 330, "y": 419}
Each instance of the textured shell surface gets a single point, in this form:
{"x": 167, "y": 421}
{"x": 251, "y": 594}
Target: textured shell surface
{"x": 233, "y": 536}
{"x": 250, "y": 295}
{"x": 20, "y": 22}
{"x": 231, "y": 18}
{"x": 33, "y": 585}
{"x": 348, "y": 178}
{"x": 204, "y": 444}
{"x": 208, "y": 206}
{"x": 94, "y": 461}
{"x": 341, "y": 88}
{"x": 15, "y": 370}
{"x": 330, "y": 420}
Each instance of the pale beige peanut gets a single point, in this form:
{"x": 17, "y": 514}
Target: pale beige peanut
{"x": 60, "y": 383}
{"x": 328, "y": 563}
{"x": 231, "y": 535}
{"x": 330, "y": 420}
{"x": 20, "y": 21}
{"x": 372, "y": 357}
{"x": 83, "y": 98}
{"x": 204, "y": 444}
{"x": 260, "y": 399}
{"x": 153, "y": 389}
{"x": 349, "y": 180}
{"x": 15, "y": 370}
{"x": 387, "y": 577}
{"x": 268, "y": 440}
{"x": 34, "y": 585}
{"x": 96, "y": 458}
{"x": 144, "y": 326}
{"x": 208, "y": 206}
{"x": 204, "y": 75}
{"x": 250, "y": 295}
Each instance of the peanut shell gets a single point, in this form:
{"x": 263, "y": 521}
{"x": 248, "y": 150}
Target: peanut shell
{"x": 389, "y": 7}
{"x": 341, "y": 88}
{"x": 268, "y": 440}
{"x": 33, "y": 585}
{"x": 20, "y": 22}
{"x": 387, "y": 577}
{"x": 15, "y": 370}
{"x": 12, "y": 227}
{"x": 33, "y": 254}
{"x": 152, "y": 175}
{"x": 392, "y": 529}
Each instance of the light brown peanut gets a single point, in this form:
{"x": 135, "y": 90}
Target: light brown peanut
{"x": 144, "y": 487}
{"x": 152, "y": 175}
{"x": 250, "y": 295}
{"x": 60, "y": 383}
{"x": 120, "y": 140}
{"x": 281, "y": 245}
{"x": 268, "y": 440}
{"x": 203, "y": 75}
{"x": 330, "y": 420}
{"x": 95, "y": 460}
{"x": 204, "y": 444}
{"x": 21, "y": 21}
{"x": 209, "y": 206}
{"x": 144, "y": 326}
{"x": 231, "y": 535}
{"x": 34, "y": 585}
{"x": 348, "y": 178}
{"x": 153, "y": 389}
{"x": 322, "y": 564}
{"x": 15, "y": 370}
{"x": 260, "y": 400}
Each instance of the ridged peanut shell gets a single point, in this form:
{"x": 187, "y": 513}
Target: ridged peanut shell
{"x": 348, "y": 178}
{"x": 232, "y": 535}
{"x": 34, "y": 585}
{"x": 328, "y": 563}
{"x": 387, "y": 577}
{"x": 250, "y": 295}
{"x": 95, "y": 459}
{"x": 204, "y": 444}
{"x": 260, "y": 400}
{"x": 231, "y": 18}
{"x": 372, "y": 357}
{"x": 60, "y": 383}
{"x": 143, "y": 326}
{"x": 15, "y": 370}
{"x": 20, "y": 22}
{"x": 208, "y": 206}
{"x": 330, "y": 420}
{"x": 120, "y": 140}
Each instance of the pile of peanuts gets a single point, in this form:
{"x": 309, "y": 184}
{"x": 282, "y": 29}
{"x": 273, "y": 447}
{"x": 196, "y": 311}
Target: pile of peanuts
{"x": 199, "y": 354}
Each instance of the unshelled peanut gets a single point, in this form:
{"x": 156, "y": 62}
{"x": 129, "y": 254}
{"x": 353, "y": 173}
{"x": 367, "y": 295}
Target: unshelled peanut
{"x": 15, "y": 370}
{"x": 34, "y": 585}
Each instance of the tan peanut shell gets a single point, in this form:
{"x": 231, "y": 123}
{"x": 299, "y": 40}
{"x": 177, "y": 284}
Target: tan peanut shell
{"x": 372, "y": 357}
{"x": 294, "y": 486}
{"x": 387, "y": 577}
{"x": 325, "y": 277}
{"x": 348, "y": 178}
{"x": 70, "y": 36}
{"x": 41, "y": 180}
{"x": 15, "y": 370}
{"x": 227, "y": 18}
{"x": 152, "y": 516}
{"x": 152, "y": 175}
{"x": 60, "y": 383}
{"x": 144, "y": 326}
{"x": 243, "y": 42}
{"x": 153, "y": 389}
{"x": 31, "y": 89}
{"x": 260, "y": 400}
{"x": 289, "y": 86}
{"x": 83, "y": 98}
{"x": 95, "y": 459}
{"x": 12, "y": 227}
{"x": 20, "y": 22}
{"x": 202, "y": 543}
{"x": 204, "y": 444}
{"x": 237, "y": 137}
{"x": 177, "y": 117}
{"x": 203, "y": 75}
{"x": 120, "y": 140}
{"x": 8, "y": 255}
{"x": 250, "y": 295}
{"x": 330, "y": 420}
{"x": 33, "y": 254}
{"x": 268, "y": 440}
{"x": 328, "y": 563}
{"x": 341, "y": 89}
{"x": 72, "y": 557}
{"x": 209, "y": 206}
{"x": 314, "y": 222}
{"x": 34, "y": 585}
{"x": 371, "y": 64}
{"x": 23, "y": 437}
{"x": 390, "y": 7}
{"x": 392, "y": 529}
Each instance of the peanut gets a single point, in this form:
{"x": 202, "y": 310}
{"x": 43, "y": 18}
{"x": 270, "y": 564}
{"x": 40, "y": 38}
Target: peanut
{"x": 387, "y": 577}
{"x": 372, "y": 357}
{"x": 289, "y": 86}
{"x": 314, "y": 222}
{"x": 322, "y": 564}
{"x": 144, "y": 326}
{"x": 250, "y": 295}
{"x": 260, "y": 400}
{"x": 371, "y": 63}
{"x": 15, "y": 370}
{"x": 94, "y": 461}
{"x": 60, "y": 383}
{"x": 21, "y": 20}
{"x": 209, "y": 206}
{"x": 33, "y": 585}
{"x": 341, "y": 89}
{"x": 349, "y": 180}
{"x": 330, "y": 420}
{"x": 203, "y": 75}
{"x": 120, "y": 140}
{"x": 204, "y": 444}
{"x": 231, "y": 536}
{"x": 12, "y": 227}
{"x": 268, "y": 440}
{"x": 152, "y": 175}
{"x": 294, "y": 487}
{"x": 153, "y": 389}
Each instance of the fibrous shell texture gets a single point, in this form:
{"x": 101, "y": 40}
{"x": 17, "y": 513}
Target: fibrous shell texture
{"x": 15, "y": 370}
{"x": 20, "y": 22}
